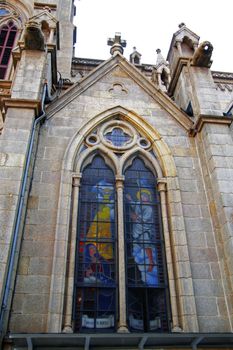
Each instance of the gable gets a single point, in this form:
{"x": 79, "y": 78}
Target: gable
{"x": 117, "y": 82}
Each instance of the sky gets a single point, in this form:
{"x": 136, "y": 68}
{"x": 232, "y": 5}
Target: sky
{"x": 150, "y": 24}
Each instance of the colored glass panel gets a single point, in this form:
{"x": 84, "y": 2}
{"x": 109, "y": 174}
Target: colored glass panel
{"x": 145, "y": 263}
{"x": 4, "y": 12}
{"x": 95, "y": 280}
{"x": 118, "y": 137}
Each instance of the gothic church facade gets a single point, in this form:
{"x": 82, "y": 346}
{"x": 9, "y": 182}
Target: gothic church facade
{"x": 116, "y": 195}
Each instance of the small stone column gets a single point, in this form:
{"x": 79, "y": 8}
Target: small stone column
{"x": 70, "y": 273}
{"x": 178, "y": 44}
{"x": 122, "y": 325}
{"x": 161, "y": 188}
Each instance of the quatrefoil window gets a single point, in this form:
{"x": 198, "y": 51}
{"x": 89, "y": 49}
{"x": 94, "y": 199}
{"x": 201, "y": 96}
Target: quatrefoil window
{"x": 118, "y": 137}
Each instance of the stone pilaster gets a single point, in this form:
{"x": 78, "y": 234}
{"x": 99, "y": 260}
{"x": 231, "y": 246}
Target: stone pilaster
{"x": 21, "y": 110}
{"x": 14, "y": 146}
{"x": 215, "y": 145}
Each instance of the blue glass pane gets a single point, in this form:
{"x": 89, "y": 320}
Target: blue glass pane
{"x": 117, "y": 137}
{"x": 4, "y": 12}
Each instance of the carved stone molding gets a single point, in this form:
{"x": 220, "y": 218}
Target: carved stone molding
{"x": 203, "y": 119}
{"x": 22, "y": 103}
{"x": 182, "y": 61}
{"x": 118, "y": 89}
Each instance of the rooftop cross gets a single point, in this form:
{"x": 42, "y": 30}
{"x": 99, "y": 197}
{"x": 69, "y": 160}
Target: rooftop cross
{"x": 117, "y": 44}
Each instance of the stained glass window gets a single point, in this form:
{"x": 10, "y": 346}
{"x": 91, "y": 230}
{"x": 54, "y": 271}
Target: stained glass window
{"x": 95, "y": 281}
{"x": 118, "y": 137}
{"x": 4, "y": 12}
{"x": 146, "y": 280}
{"x": 96, "y": 270}
{"x": 7, "y": 39}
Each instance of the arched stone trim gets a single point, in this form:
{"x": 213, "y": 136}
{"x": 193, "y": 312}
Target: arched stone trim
{"x": 19, "y": 12}
{"x": 178, "y": 262}
{"x": 25, "y": 7}
{"x": 15, "y": 20}
{"x": 86, "y": 157}
{"x": 151, "y": 162}
{"x": 159, "y": 146}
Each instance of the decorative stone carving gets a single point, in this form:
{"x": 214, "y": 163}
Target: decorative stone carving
{"x": 222, "y": 75}
{"x": 202, "y": 56}
{"x": 118, "y": 89}
{"x": 34, "y": 38}
{"x": 224, "y": 87}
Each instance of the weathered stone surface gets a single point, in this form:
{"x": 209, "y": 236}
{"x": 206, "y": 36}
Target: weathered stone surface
{"x": 196, "y": 174}
{"x": 207, "y": 306}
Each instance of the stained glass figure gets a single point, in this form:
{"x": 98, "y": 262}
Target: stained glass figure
{"x": 95, "y": 268}
{"x": 145, "y": 263}
{"x": 118, "y": 137}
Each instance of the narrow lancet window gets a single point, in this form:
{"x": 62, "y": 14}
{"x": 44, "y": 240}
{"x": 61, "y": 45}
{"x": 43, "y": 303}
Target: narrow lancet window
{"x": 146, "y": 282}
{"x": 95, "y": 278}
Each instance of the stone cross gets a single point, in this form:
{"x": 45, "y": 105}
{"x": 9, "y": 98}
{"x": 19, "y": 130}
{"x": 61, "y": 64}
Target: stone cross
{"x": 116, "y": 44}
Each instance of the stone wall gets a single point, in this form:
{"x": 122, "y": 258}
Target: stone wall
{"x": 30, "y": 305}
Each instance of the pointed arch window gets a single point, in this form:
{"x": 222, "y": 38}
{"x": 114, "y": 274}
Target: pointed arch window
{"x": 146, "y": 283}
{"x": 96, "y": 282}
{"x": 120, "y": 268}
{"x": 7, "y": 40}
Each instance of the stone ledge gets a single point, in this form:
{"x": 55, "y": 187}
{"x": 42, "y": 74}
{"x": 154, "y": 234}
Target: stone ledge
{"x": 22, "y": 103}
{"x": 42, "y": 5}
{"x": 211, "y": 119}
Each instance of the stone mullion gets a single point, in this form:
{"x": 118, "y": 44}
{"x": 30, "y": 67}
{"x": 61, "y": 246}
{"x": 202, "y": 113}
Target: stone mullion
{"x": 71, "y": 265}
{"x": 122, "y": 323}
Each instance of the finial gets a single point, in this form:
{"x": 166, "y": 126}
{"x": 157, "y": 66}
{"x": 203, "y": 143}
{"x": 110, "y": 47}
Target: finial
{"x": 160, "y": 58}
{"x": 135, "y": 56}
{"x": 182, "y": 24}
{"x": 117, "y": 44}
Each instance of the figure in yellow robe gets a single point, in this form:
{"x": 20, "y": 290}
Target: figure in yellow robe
{"x": 100, "y": 228}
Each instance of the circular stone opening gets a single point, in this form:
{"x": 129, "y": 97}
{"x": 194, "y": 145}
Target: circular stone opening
{"x": 144, "y": 143}
{"x": 92, "y": 139}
